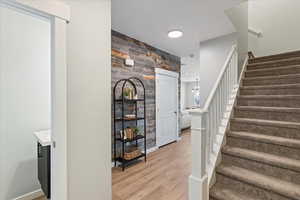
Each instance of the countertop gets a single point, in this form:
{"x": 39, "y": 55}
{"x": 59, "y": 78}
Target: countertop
{"x": 43, "y": 137}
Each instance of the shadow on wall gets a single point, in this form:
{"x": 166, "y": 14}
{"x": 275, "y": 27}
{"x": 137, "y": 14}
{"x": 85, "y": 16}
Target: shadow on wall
{"x": 24, "y": 168}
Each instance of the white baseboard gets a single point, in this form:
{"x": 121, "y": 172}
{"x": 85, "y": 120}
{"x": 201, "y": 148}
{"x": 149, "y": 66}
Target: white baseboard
{"x": 31, "y": 195}
{"x": 198, "y": 188}
{"x": 155, "y": 148}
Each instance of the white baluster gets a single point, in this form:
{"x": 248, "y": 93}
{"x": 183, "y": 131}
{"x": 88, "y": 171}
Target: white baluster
{"x": 223, "y": 95}
{"x": 236, "y": 66}
{"x": 215, "y": 120}
{"x": 209, "y": 134}
{"x": 212, "y": 128}
{"x": 208, "y": 129}
{"x": 230, "y": 74}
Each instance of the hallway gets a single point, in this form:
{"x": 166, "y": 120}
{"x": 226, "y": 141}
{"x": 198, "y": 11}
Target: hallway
{"x": 163, "y": 177}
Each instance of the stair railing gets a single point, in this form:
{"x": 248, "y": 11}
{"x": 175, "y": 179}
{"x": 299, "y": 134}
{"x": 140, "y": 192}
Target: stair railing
{"x": 205, "y": 127}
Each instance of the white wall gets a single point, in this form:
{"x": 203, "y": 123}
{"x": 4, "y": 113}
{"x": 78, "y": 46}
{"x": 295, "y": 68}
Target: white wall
{"x": 89, "y": 100}
{"x": 25, "y": 98}
{"x": 190, "y": 67}
{"x": 239, "y": 18}
{"x": 2, "y": 184}
{"x": 279, "y": 22}
{"x": 190, "y": 72}
{"x": 189, "y": 96}
{"x": 182, "y": 95}
{"x": 213, "y": 54}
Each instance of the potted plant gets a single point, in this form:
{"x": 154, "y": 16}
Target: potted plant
{"x": 126, "y": 93}
{"x": 136, "y": 130}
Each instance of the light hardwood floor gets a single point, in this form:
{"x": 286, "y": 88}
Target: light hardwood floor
{"x": 163, "y": 177}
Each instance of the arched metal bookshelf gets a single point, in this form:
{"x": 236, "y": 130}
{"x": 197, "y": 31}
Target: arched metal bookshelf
{"x": 122, "y": 104}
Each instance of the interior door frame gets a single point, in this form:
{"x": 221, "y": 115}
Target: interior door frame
{"x": 163, "y": 72}
{"x": 58, "y": 14}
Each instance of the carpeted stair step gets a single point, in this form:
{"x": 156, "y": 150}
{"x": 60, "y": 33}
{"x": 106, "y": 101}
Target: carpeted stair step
{"x": 271, "y": 165}
{"x": 272, "y": 80}
{"x": 268, "y": 113}
{"x": 266, "y": 127}
{"x": 223, "y": 193}
{"x": 270, "y": 100}
{"x": 255, "y": 184}
{"x": 245, "y": 188}
{"x": 288, "y": 89}
{"x": 294, "y": 69}
{"x": 280, "y": 146}
{"x": 273, "y": 64}
{"x": 275, "y": 57}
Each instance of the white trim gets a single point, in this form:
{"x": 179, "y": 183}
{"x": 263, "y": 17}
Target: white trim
{"x": 166, "y": 73}
{"x": 151, "y": 150}
{"x": 31, "y": 195}
{"x": 198, "y": 188}
{"x": 171, "y": 74}
{"x": 197, "y": 111}
{"x": 255, "y": 32}
{"x": 198, "y": 129}
{"x": 59, "y": 179}
{"x": 41, "y": 7}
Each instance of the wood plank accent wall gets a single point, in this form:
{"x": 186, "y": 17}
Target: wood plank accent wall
{"x": 146, "y": 58}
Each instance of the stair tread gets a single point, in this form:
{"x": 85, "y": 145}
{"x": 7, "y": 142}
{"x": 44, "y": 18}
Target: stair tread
{"x": 282, "y": 86}
{"x": 274, "y": 160}
{"x": 275, "y": 185}
{"x": 285, "y": 96}
{"x": 270, "y": 109}
{"x": 294, "y": 143}
{"x": 273, "y": 77}
{"x": 222, "y": 193}
{"x": 273, "y": 68}
{"x": 295, "y": 125}
{"x": 277, "y": 57}
{"x": 273, "y": 61}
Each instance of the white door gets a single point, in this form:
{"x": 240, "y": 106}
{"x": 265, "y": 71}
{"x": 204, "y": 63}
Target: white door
{"x": 166, "y": 107}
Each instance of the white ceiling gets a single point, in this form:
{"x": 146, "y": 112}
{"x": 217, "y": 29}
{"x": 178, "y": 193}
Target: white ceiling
{"x": 150, "y": 20}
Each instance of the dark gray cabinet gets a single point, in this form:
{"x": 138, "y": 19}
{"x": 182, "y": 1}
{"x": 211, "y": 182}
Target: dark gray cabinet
{"x": 44, "y": 168}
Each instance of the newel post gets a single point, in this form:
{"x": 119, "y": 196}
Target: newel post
{"x": 198, "y": 180}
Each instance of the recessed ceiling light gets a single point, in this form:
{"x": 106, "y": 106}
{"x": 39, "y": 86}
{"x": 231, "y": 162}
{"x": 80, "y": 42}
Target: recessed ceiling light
{"x": 175, "y": 34}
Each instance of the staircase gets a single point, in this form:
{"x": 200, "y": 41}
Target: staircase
{"x": 261, "y": 152}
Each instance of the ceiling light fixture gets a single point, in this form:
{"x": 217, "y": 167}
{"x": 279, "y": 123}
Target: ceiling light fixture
{"x": 175, "y": 34}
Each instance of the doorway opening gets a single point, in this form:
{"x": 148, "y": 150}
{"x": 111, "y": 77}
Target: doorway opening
{"x": 32, "y": 100}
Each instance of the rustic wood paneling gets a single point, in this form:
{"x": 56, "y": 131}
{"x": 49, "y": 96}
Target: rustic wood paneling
{"x": 146, "y": 58}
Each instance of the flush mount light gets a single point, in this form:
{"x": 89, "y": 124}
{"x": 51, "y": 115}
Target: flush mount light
{"x": 175, "y": 34}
